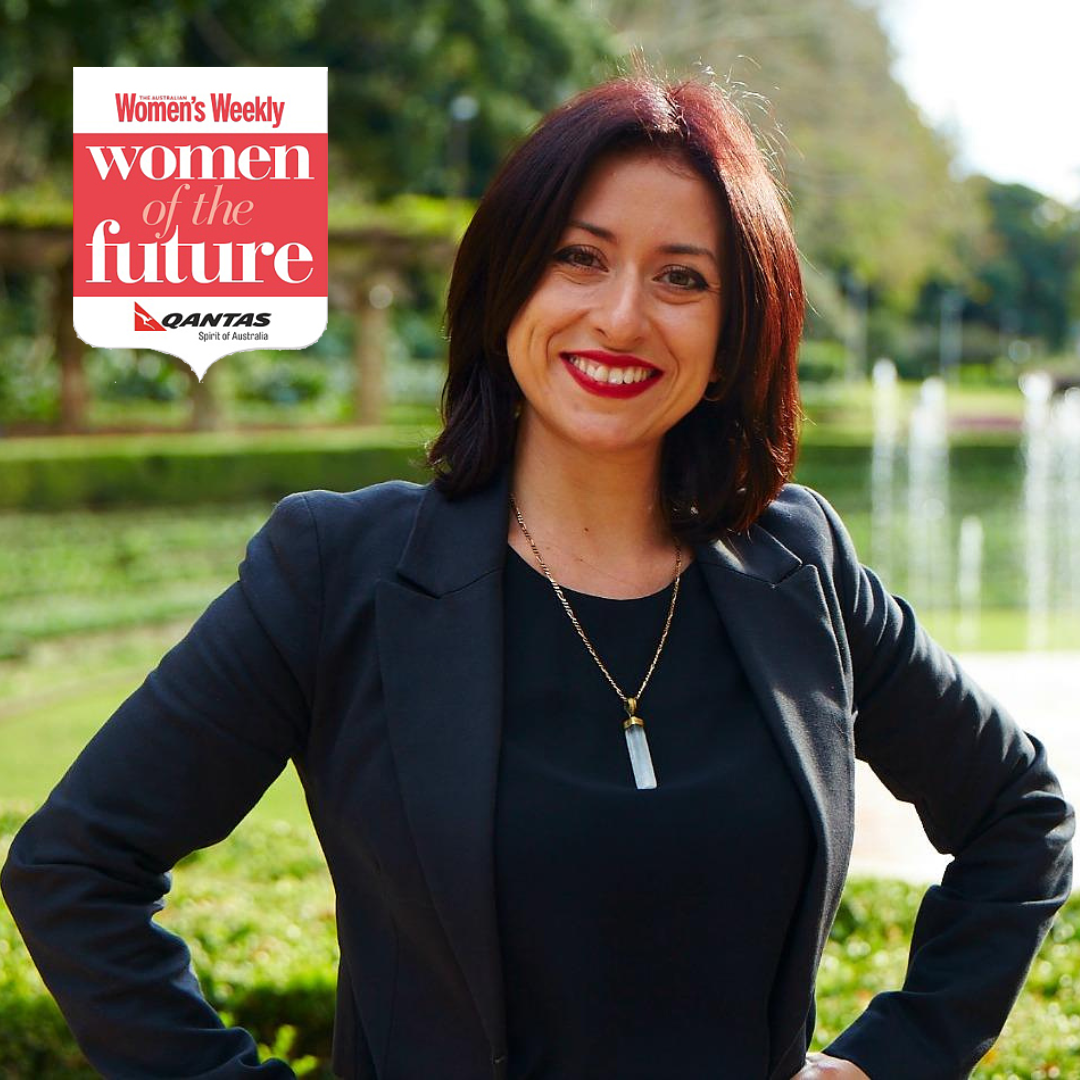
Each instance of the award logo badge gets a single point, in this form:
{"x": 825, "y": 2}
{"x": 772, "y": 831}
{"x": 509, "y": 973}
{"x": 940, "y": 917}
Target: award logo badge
{"x": 200, "y": 201}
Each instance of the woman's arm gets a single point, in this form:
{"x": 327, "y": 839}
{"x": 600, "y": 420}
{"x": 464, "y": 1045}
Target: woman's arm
{"x": 174, "y": 769}
{"x": 985, "y": 794}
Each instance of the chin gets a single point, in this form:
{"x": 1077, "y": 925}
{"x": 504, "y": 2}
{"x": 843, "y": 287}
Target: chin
{"x": 601, "y": 440}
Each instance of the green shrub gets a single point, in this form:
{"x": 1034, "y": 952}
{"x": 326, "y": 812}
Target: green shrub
{"x": 257, "y": 913}
{"x": 129, "y": 374}
{"x": 822, "y": 361}
{"x": 179, "y": 470}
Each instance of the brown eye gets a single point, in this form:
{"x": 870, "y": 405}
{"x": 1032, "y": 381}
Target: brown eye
{"x": 577, "y": 256}
{"x": 685, "y": 278}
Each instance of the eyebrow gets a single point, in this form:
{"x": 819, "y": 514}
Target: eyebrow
{"x": 667, "y": 249}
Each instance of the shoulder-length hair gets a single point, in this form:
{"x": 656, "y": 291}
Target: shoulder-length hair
{"x": 727, "y": 459}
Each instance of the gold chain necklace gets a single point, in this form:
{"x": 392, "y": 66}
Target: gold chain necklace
{"x": 634, "y": 726}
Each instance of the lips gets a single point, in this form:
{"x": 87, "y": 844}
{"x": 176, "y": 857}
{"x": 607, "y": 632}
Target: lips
{"x": 610, "y": 374}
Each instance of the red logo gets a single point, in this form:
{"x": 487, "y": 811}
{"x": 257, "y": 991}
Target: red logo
{"x": 145, "y": 321}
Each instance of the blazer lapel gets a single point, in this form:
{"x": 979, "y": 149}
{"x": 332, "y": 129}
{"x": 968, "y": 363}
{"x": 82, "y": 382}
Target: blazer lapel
{"x": 441, "y": 656}
{"x": 774, "y": 610}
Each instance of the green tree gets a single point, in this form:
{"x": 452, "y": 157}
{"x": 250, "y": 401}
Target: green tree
{"x": 870, "y": 183}
{"x": 1026, "y": 265}
{"x": 397, "y": 67}
{"x": 395, "y": 70}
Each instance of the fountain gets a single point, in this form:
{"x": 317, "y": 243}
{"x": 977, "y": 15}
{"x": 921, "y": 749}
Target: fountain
{"x": 952, "y": 567}
{"x": 1037, "y": 388}
{"x": 969, "y": 580}
{"x": 929, "y": 555}
{"x": 1068, "y": 430}
{"x": 883, "y": 466}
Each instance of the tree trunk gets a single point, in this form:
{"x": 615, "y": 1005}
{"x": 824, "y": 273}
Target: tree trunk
{"x": 74, "y": 396}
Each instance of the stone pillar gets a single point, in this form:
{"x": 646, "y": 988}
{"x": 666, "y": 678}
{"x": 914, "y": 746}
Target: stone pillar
{"x": 372, "y": 337}
{"x": 205, "y": 414}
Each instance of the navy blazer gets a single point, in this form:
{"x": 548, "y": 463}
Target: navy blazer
{"x": 364, "y": 640}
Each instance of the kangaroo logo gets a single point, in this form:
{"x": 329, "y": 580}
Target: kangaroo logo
{"x": 144, "y": 320}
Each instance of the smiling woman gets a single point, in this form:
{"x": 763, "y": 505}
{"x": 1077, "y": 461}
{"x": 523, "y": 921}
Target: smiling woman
{"x": 658, "y": 213}
{"x": 615, "y": 317}
{"x": 464, "y": 673}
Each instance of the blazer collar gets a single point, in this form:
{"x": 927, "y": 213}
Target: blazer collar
{"x": 454, "y": 542}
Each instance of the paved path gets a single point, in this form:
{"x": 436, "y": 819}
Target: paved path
{"x": 1042, "y": 692}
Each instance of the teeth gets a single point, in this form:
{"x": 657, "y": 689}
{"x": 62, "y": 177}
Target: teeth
{"x": 614, "y": 375}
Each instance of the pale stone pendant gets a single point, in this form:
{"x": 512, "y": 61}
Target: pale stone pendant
{"x": 640, "y": 758}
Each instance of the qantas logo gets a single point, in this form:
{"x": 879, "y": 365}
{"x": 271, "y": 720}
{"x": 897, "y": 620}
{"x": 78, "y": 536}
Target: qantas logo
{"x": 145, "y": 321}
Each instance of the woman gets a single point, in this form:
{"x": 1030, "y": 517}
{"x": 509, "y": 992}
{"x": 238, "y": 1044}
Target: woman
{"x": 538, "y": 874}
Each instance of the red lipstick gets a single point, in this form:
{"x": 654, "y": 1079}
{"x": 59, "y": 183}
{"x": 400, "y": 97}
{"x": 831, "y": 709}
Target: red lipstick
{"x": 611, "y": 360}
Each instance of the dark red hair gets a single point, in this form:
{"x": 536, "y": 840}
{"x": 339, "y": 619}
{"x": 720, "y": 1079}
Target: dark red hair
{"x": 726, "y": 460}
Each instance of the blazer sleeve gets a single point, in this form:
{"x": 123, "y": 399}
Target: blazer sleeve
{"x": 174, "y": 769}
{"x": 986, "y": 796}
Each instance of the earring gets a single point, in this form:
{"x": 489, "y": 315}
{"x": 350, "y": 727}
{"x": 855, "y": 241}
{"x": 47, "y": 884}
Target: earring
{"x": 717, "y": 397}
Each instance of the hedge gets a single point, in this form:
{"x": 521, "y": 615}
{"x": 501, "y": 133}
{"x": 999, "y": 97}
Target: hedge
{"x": 54, "y": 473}
{"x": 98, "y": 471}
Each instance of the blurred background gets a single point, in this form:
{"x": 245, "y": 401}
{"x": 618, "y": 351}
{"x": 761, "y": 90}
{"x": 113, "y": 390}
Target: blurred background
{"x": 930, "y": 154}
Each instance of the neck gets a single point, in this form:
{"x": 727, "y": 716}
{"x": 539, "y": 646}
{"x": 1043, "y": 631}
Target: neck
{"x": 580, "y": 507}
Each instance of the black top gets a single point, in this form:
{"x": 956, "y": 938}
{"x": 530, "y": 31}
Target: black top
{"x": 640, "y": 929}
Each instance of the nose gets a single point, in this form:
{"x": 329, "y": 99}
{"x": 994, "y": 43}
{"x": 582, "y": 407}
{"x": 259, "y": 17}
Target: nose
{"x": 619, "y": 314}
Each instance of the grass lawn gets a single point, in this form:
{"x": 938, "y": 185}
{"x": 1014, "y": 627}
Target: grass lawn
{"x": 44, "y": 732}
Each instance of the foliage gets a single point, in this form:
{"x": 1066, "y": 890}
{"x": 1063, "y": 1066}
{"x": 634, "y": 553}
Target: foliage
{"x": 41, "y": 43}
{"x": 105, "y": 471}
{"x": 869, "y": 180}
{"x": 415, "y": 216}
{"x": 28, "y": 379}
{"x": 877, "y": 207}
{"x": 821, "y": 361}
{"x": 257, "y": 912}
{"x": 43, "y": 204}
{"x": 1028, "y": 275}
{"x": 394, "y": 70}
{"x": 125, "y": 375}
{"x": 867, "y": 953}
{"x": 280, "y": 379}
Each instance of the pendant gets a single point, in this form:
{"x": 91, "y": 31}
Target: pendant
{"x": 638, "y": 746}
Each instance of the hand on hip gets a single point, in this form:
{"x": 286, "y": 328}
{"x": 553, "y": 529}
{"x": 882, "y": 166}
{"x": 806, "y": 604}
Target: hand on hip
{"x": 823, "y": 1067}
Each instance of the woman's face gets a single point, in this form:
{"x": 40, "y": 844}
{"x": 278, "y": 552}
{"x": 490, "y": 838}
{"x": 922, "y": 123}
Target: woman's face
{"x": 618, "y": 340}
